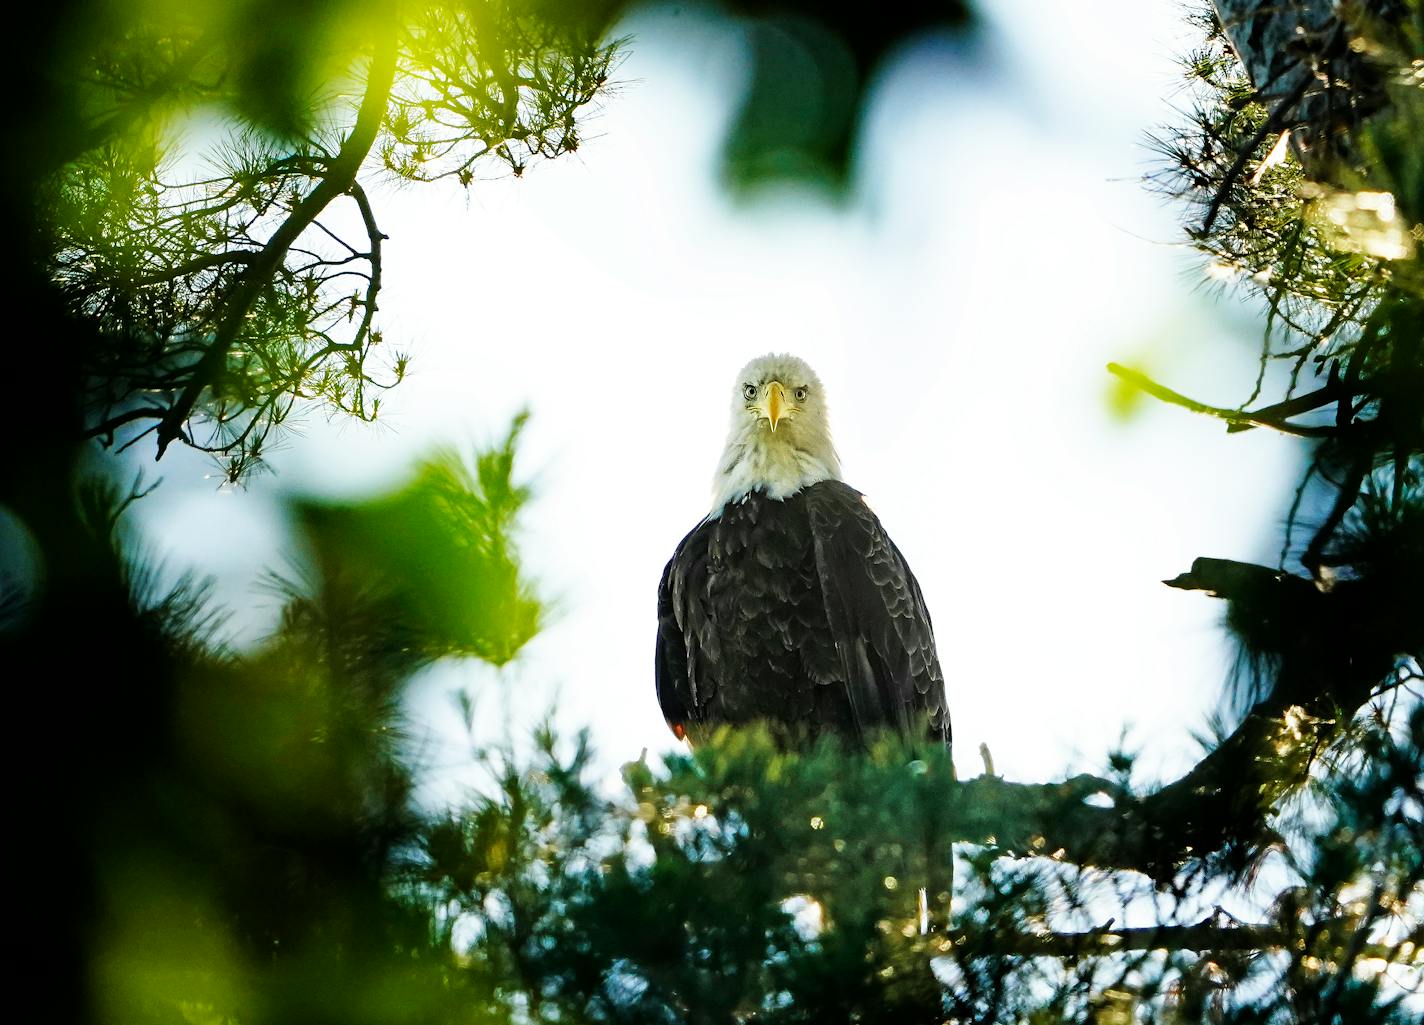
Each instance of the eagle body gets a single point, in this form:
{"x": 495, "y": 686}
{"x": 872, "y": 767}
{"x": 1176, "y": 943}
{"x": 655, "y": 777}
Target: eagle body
{"x": 789, "y": 605}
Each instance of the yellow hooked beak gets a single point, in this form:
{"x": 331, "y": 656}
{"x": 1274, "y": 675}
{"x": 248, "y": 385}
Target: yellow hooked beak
{"x": 773, "y": 407}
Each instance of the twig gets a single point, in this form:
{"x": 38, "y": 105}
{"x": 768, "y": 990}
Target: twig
{"x": 1242, "y": 418}
{"x": 1349, "y": 489}
{"x": 194, "y": 266}
{"x": 1274, "y": 123}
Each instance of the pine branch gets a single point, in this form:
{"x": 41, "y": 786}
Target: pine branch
{"x": 1274, "y": 417}
{"x": 339, "y": 178}
{"x": 197, "y": 265}
{"x": 1317, "y": 40}
{"x": 1279, "y": 119}
{"x": 105, "y": 428}
{"x": 1208, "y": 935}
{"x": 1306, "y": 403}
{"x": 140, "y": 105}
{"x": 1334, "y": 647}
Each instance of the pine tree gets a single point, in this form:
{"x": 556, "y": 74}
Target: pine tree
{"x": 231, "y": 288}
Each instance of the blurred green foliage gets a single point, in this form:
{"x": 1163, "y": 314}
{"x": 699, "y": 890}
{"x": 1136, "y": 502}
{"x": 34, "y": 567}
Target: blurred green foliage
{"x": 439, "y": 548}
{"x": 812, "y": 70}
{"x": 251, "y": 871}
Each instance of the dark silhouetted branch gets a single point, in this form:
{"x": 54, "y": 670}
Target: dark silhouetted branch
{"x": 196, "y": 266}
{"x": 1210, "y": 934}
{"x": 1279, "y": 120}
{"x": 338, "y": 179}
{"x": 106, "y": 428}
{"x": 1318, "y": 399}
{"x": 1333, "y": 647}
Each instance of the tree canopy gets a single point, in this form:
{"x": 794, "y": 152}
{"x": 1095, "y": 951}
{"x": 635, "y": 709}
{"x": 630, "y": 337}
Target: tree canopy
{"x": 228, "y": 287}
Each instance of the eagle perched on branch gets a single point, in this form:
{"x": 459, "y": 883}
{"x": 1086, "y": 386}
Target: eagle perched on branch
{"x": 789, "y": 604}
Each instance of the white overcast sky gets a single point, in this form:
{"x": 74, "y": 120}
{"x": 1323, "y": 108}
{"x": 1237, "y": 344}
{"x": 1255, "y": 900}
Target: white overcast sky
{"x": 999, "y": 251}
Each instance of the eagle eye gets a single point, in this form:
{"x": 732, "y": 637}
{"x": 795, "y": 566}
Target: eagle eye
{"x": 801, "y": 393}
{"x": 749, "y": 390}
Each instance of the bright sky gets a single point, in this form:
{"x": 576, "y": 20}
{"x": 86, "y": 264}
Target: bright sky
{"x": 999, "y": 252}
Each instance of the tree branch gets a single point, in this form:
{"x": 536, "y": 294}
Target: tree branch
{"x": 1333, "y": 648}
{"x": 1279, "y": 411}
{"x": 1277, "y": 121}
{"x": 1235, "y": 418}
{"x": 373, "y": 233}
{"x": 196, "y": 265}
{"x": 109, "y": 425}
{"x": 1312, "y": 38}
{"x": 1206, "y": 935}
{"x": 340, "y": 176}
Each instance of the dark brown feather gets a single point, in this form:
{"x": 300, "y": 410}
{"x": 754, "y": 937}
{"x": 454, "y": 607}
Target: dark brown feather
{"x": 802, "y": 614}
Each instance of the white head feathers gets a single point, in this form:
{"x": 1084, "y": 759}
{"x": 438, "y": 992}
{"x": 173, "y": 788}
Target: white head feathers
{"x": 780, "y": 437}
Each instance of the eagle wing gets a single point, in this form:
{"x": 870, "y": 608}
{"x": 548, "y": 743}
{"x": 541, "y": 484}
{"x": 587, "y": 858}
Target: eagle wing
{"x": 877, "y": 617}
{"x": 675, "y": 674}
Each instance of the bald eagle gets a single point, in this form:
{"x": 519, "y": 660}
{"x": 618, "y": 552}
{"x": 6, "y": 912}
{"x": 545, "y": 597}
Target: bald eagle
{"x": 789, "y": 604}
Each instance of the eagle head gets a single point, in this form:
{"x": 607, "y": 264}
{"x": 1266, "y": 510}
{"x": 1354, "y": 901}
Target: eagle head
{"x": 780, "y": 438}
